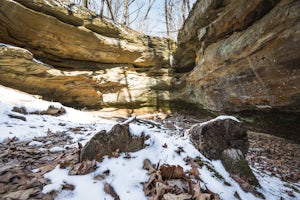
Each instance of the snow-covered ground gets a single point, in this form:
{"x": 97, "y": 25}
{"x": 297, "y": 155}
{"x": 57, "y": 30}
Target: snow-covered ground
{"x": 126, "y": 175}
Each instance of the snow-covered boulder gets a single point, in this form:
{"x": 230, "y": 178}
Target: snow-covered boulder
{"x": 214, "y": 137}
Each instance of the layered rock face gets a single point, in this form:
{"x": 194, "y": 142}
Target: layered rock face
{"x": 19, "y": 70}
{"x": 70, "y": 36}
{"x": 241, "y": 55}
{"x": 123, "y": 86}
{"x": 101, "y": 64}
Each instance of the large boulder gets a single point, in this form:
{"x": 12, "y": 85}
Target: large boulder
{"x": 240, "y": 55}
{"x": 226, "y": 140}
{"x": 215, "y": 136}
{"x": 18, "y": 69}
{"x": 70, "y": 36}
{"x": 235, "y": 163}
{"x": 117, "y": 140}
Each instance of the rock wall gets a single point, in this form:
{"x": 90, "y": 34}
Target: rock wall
{"x": 71, "y": 36}
{"x": 18, "y": 69}
{"x": 122, "y": 86}
{"x": 97, "y": 63}
{"x": 240, "y": 55}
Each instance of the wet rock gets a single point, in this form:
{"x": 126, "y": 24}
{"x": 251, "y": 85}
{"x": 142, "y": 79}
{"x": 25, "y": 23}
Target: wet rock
{"x": 214, "y": 137}
{"x": 117, "y": 140}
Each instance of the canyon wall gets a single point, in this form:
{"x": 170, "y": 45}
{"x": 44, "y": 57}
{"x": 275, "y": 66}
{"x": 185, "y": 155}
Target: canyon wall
{"x": 86, "y": 61}
{"x": 66, "y": 35}
{"x": 236, "y": 55}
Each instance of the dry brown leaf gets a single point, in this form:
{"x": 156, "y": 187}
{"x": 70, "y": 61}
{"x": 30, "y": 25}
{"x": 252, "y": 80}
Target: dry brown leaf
{"x": 14, "y": 177}
{"x": 110, "y": 190}
{"x": 171, "y": 171}
{"x": 169, "y": 182}
{"x": 5, "y": 177}
{"x": 195, "y": 172}
{"x": 149, "y": 186}
{"x": 197, "y": 191}
{"x": 115, "y": 153}
{"x": 148, "y": 166}
{"x": 2, "y": 188}
{"x": 244, "y": 185}
{"x": 67, "y": 186}
{"x": 86, "y": 167}
{"x": 22, "y": 194}
{"x": 205, "y": 196}
{"x": 99, "y": 177}
{"x": 160, "y": 189}
{"x": 49, "y": 167}
{"x": 74, "y": 169}
{"x": 165, "y": 145}
{"x": 69, "y": 159}
{"x": 183, "y": 196}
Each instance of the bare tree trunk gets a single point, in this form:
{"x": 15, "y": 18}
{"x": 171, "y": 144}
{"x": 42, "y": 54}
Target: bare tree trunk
{"x": 167, "y": 18}
{"x": 125, "y": 13}
{"x": 101, "y": 8}
{"x": 110, "y": 10}
{"x": 188, "y": 5}
{"x": 85, "y": 3}
{"x": 183, "y": 10}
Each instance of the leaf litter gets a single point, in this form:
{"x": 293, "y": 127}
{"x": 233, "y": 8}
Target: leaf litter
{"x": 34, "y": 172}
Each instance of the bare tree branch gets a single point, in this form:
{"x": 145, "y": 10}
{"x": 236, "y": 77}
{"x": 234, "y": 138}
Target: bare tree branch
{"x": 110, "y": 10}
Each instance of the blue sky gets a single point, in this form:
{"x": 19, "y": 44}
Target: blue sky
{"x": 155, "y": 24}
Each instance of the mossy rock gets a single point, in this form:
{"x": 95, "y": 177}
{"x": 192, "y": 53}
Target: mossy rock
{"x": 235, "y": 163}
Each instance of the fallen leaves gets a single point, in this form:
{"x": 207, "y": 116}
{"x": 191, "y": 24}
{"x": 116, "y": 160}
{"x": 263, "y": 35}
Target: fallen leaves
{"x": 87, "y": 167}
{"x": 274, "y": 155}
{"x": 51, "y": 110}
{"x": 22, "y": 194}
{"x": 20, "y": 184}
{"x": 171, "y": 172}
{"x": 22, "y": 166}
{"x": 170, "y": 182}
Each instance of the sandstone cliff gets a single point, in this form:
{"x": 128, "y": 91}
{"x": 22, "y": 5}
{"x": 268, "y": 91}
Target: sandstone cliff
{"x": 71, "y": 36}
{"x": 18, "y": 69}
{"x": 101, "y": 64}
{"x": 241, "y": 55}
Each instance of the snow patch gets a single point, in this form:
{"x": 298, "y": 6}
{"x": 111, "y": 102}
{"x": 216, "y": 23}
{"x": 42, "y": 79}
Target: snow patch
{"x": 125, "y": 174}
{"x": 35, "y": 143}
{"x": 56, "y": 149}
